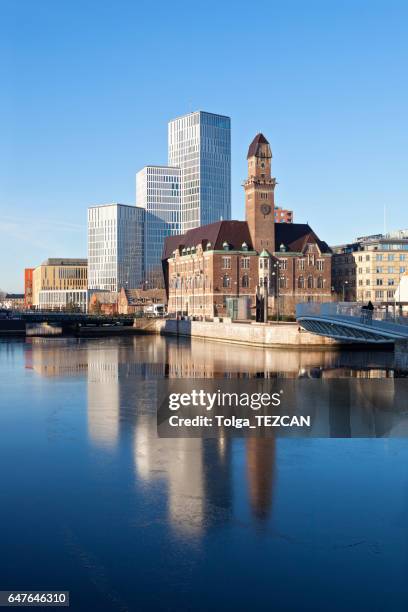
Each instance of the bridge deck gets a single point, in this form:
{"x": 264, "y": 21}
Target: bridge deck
{"x": 348, "y": 322}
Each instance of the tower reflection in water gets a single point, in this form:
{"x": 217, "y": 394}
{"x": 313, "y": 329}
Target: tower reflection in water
{"x": 121, "y": 377}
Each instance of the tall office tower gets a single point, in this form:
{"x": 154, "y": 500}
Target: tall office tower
{"x": 158, "y": 193}
{"x": 115, "y": 247}
{"x": 200, "y": 144}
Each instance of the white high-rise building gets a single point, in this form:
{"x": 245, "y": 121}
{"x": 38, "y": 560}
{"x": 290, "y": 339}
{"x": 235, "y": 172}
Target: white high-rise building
{"x": 115, "y": 246}
{"x": 158, "y": 193}
{"x": 200, "y": 144}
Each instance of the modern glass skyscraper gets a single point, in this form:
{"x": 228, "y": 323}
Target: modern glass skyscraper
{"x": 115, "y": 247}
{"x": 200, "y": 144}
{"x": 158, "y": 193}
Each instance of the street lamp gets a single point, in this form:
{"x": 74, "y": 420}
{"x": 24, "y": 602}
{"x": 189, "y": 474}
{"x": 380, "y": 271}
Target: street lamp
{"x": 275, "y": 274}
{"x": 344, "y": 290}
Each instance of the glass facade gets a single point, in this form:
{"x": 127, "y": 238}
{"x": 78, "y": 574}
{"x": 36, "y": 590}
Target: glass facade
{"x": 62, "y": 300}
{"x": 200, "y": 144}
{"x": 115, "y": 247}
{"x": 158, "y": 193}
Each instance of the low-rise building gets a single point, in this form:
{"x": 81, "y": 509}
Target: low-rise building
{"x": 14, "y": 301}
{"x": 132, "y": 301}
{"x": 370, "y": 269}
{"x": 60, "y": 284}
{"x": 102, "y": 302}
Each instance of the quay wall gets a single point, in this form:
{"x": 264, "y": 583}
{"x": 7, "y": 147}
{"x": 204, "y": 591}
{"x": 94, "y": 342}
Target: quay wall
{"x": 254, "y": 334}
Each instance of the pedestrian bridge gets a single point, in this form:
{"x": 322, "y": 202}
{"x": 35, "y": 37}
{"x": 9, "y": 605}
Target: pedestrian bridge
{"x": 347, "y": 321}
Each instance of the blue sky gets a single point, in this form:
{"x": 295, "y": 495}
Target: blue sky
{"x": 88, "y": 88}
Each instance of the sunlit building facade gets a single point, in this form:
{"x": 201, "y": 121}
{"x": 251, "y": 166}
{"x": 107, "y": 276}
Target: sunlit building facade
{"x": 115, "y": 246}
{"x": 60, "y": 284}
{"x": 200, "y": 144}
{"x": 158, "y": 192}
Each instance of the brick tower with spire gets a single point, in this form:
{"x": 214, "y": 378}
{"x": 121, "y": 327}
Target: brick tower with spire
{"x": 259, "y": 195}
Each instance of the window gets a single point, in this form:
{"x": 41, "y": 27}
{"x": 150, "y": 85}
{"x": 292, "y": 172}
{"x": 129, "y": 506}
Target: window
{"x": 245, "y": 262}
{"x": 226, "y": 263}
{"x": 310, "y": 282}
{"x": 320, "y": 264}
{"x": 367, "y": 281}
{"x": 301, "y": 264}
{"x": 301, "y": 282}
{"x": 391, "y": 257}
{"x": 284, "y": 264}
{"x": 379, "y": 281}
{"x": 378, "y": 257}
{"x": 390, "y": 294}
{"x": 378, "y": 270}
{"x": 378, "y": 294}
{"x": 390, "y": 270}
{"x": 367, "y": 258}
{"x": 226, "y": 281}
{"x": 282, "y": 282}
{"x": 245, "y": 281}
{"x": 320, "y": 282}
{"x": 391, "y": 281}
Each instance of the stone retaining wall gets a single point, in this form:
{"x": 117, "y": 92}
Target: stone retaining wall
{"x": 255, "y": 334}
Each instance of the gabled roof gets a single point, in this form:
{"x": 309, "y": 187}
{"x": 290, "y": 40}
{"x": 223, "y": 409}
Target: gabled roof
{"x": 253, "y": 147}
{"x": 295, "y": 236}
{"x": 233, "y": 232}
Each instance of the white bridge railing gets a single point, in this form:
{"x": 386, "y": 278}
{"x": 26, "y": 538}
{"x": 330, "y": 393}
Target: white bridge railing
{"x": 343, "y": 310}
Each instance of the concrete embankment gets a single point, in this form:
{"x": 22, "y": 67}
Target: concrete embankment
{"x": 253, "y": 334}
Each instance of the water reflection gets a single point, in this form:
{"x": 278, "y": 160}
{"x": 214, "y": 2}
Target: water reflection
{"x": 120, "y": 377}
{"x": 124, "y": 520}
{"x": 152, "y": 357}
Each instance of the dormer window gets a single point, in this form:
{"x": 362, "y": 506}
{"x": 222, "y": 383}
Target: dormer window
{"x": 282, "y": 248}
{"x": 244, "y": 246}
{"x": 226, "y": 246}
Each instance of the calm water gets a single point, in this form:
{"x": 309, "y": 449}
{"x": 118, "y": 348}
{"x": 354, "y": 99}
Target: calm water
{"x": 93, "y": 502}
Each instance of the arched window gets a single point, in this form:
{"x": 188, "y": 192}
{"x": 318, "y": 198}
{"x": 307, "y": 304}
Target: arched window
{"x": 245, "y": 281}
{"x": 301, "y": 282}
{"x": 226, "y": 281}
{"x": 320, "y": 282}
{"x": 310, "y": 282}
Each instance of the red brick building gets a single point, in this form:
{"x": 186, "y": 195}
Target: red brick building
{"x": 271, "y": 265}
{"x": 28, "y": 287}
{"x": 282, "y": 215}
